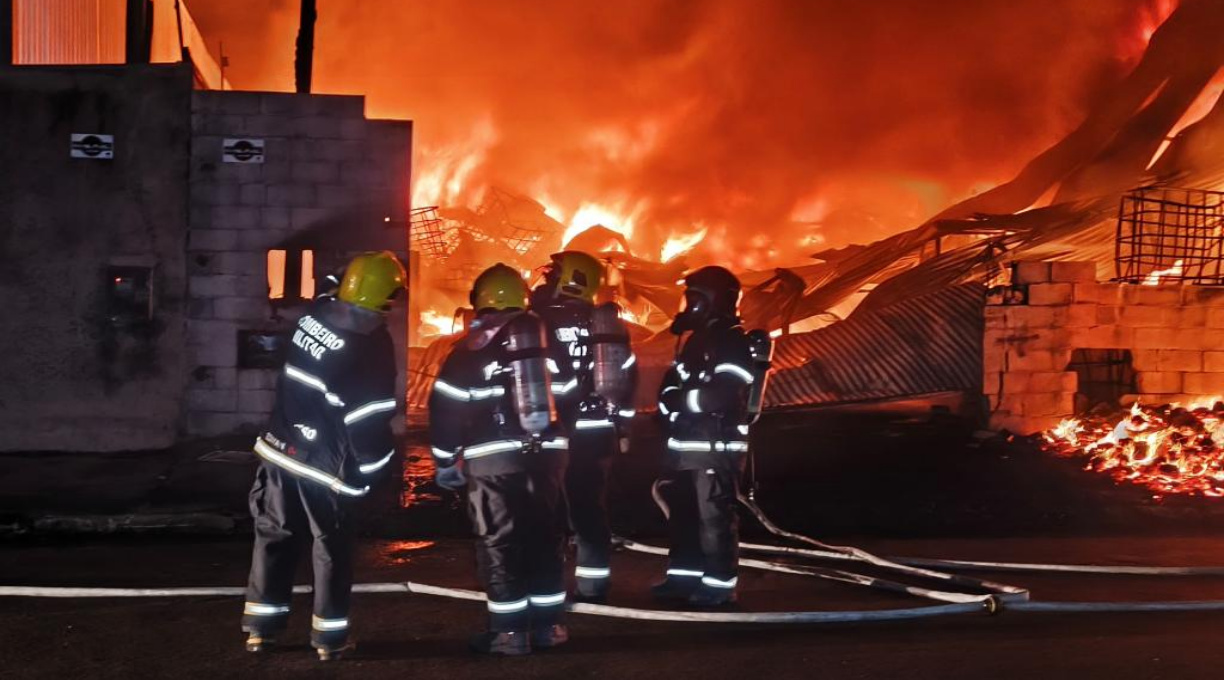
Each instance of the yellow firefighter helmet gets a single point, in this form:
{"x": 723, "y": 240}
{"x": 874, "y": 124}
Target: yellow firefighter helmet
{"x": 575, "y": 274}
{"x": 498, "y": 288}
{"x": 372, "y": 279}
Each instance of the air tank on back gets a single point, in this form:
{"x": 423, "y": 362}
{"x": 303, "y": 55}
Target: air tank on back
{"x": 760, "y": 346}
{"x": 610, "y": 354}
{"x": 533, "y": 399}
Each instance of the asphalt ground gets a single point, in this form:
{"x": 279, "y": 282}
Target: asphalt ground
{"x": 425, "y": 636}
{"x": 902, "y": 486}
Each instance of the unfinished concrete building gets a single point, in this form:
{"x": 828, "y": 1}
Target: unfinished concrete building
{"x": 156, "y": 236}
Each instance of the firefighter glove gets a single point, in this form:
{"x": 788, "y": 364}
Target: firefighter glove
{"x": 450, "y": 478}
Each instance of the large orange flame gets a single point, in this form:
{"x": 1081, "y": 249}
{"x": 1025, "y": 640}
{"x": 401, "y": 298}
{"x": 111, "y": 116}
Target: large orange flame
{"x": 679, "y": 244}
{"x": 835, "y": 122}
{"x": 435, "y": 323}
{"x": 595, "y": 215}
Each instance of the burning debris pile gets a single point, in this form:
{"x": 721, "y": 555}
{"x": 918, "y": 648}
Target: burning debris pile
{"x": 1169, "y": 449}
{"x": 457, "y": 243}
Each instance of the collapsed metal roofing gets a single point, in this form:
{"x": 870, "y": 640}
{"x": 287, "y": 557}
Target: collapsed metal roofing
{"x": 927, "y": 344}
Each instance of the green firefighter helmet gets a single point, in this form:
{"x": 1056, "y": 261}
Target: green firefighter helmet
{"x": 498, "y": 288}
{"x": 372, "y": 279}
{"x": 575, "y": 274}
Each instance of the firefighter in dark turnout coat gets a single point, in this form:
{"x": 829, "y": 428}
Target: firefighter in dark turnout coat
{"x": 594, "y": 378}
{"x": 329, "y": 434}
{"x": 492, "y": 421}
{"x": 704, "y": 401}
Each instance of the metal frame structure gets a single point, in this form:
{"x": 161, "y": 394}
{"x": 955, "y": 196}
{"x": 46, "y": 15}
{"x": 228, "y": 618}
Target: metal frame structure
{"x": 498, "y": 211}
{"x": 427, "y": 233}
{"x": 1168, "y": 234}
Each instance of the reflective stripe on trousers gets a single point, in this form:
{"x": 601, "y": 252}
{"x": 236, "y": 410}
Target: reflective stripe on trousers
{"x": 554, "y": 600}
{"x": 260, "y": 609}
{"x": 698, "y": 446}
{"x": 592, "y": 572}
{"x": 299, "y": 469}
{"x": 327, "y": 625}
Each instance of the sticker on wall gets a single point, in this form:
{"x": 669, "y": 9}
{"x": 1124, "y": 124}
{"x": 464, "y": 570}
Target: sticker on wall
{"x": 242, "y": 150}
{"x": 95, "y": 147}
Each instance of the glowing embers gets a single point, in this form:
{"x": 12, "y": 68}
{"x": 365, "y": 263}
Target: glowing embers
{"x": 402, "y": 552}
{"x": 1169, "y": 449}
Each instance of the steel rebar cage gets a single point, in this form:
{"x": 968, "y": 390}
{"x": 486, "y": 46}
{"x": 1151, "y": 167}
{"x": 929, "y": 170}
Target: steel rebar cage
{"x": 427, "y": 233}
{"x": 1168, "y": 234}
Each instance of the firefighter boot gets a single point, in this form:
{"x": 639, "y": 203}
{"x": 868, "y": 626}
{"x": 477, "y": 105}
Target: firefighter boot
{"x": 547, "y": 637}
{"x": 674, "y": 589}
{"x": 259, "y": 642}
{"x": 505, "y": 643}
{"x": 708, "y": 597}
{"x": 591, "y": 590}
{"x": 333, "y": 652}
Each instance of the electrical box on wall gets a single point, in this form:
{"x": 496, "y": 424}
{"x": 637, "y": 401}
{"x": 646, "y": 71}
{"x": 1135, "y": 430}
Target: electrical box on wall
{"x": 129, "y": 295}
{"x": 261, "y": 349}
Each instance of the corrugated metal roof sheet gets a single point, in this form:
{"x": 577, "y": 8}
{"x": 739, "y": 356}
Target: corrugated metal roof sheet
{"x": 95, "y": 32}
{"x": 69, "y": 31}
{"x": 931, "y": 343}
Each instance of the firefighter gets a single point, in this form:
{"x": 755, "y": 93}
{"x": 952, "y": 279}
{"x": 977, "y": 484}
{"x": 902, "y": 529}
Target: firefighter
{"x": 492, "y": 421}
{"x": 704, "y": 400}
{"x": 594, "y": 380}
{"x": 328, "y": 436}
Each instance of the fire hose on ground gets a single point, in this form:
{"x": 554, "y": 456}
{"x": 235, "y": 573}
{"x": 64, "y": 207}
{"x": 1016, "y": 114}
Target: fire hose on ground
{"x": 1015, "y": 603}
{"x": 991, "y": 597}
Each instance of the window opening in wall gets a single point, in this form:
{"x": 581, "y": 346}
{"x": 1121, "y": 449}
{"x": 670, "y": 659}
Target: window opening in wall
{"x": 291, "y": 275}
{"x": 276, "y": 274}
{"x": 1105, "y": 376}
{"x": 308, "y": 281}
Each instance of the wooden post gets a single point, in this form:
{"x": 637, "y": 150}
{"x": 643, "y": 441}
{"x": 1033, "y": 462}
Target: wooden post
{"x": 139, "y": 39}
{"x": 7, "y": 43}
{"x": 303, "y": 64}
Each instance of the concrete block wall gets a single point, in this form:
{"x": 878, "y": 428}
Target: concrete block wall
{"x": 1175, "y": 334}
{"x": 329, "y": 179}
{"x": 71, "y": 378}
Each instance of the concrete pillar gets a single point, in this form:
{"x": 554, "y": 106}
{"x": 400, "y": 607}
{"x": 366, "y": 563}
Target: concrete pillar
{"x": 6, "y": 32}
{"x": 139, "y": 37}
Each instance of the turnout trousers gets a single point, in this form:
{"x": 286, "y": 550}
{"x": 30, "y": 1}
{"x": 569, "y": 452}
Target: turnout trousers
{"x": 290, "y": 512}
{"x": 520, "y": 536}
{"x": 704, "y": 525}
{"x": 586, "y": 492}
